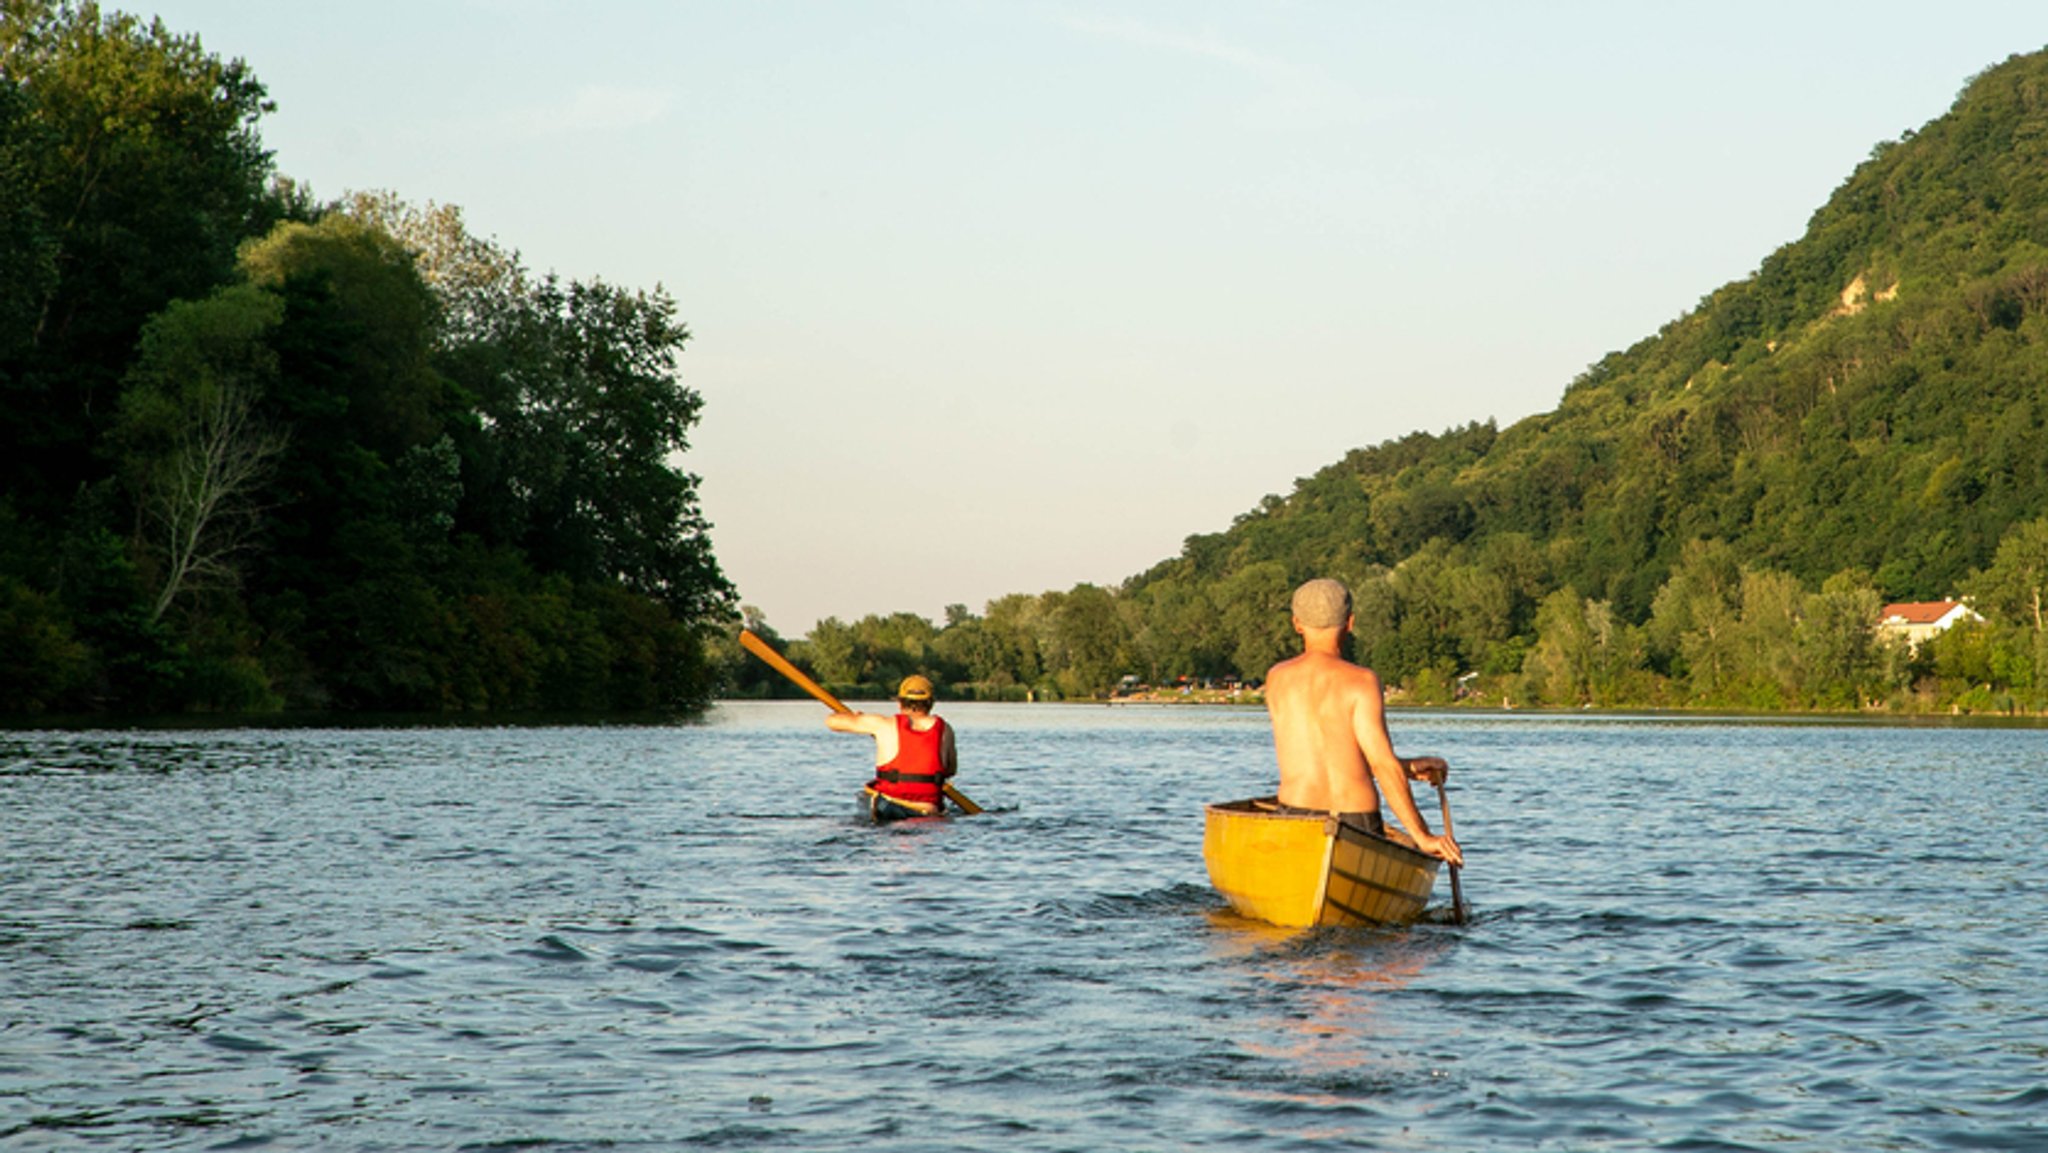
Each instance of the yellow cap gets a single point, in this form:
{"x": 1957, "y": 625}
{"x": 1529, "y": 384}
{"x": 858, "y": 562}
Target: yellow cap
{"x": 914, "y": 688}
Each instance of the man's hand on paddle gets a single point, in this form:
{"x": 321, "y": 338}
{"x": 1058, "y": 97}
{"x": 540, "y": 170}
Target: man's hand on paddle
{"x": 1437, "y": 845}
{"x": 1431, "y": 769}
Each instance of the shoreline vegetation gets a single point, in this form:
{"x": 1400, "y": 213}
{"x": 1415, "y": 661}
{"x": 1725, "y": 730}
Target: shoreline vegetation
{"x": 1399, "y": 699}
{"x": 1925, "y": 706}
{"x": 1248, "y": 701}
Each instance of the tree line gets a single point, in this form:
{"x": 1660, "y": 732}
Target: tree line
{"x": 1712, "y": 517}
{"x": 269, "y": 452}
{"x": 1479, "y": 627}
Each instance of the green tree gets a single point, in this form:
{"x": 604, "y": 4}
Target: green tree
{"x": 834, "y": 654}
{"x": 1974, "y": 669}
{"x": 1088, "y": 641}
{"x": 1841, "y": 665}
{"x": 1518, "y": 564}
{"x": 970, "y": 651}
{"x": 1430, "y": 590}
{"x": 1017, "y": 622}
{"x": 2012, "y": 591}
{"x": 481, "y": 287}
{"x": 1559, "y": 668}
{"x": 583, "y": 422}
{"x": 143, "y": 173}
{"x": 898, "y": 645}
{"x": 1766, "y": 641}
{"x": 473, "y": 476}
{"x": 740, "y": 673}
{"x": 1176, "y": 633}
{"x": 355, "y": 392}
{"x": 2014, "y": 587}
{"x": 196, "y": 451}
{"x": 44, "y": 664}
{"x": 1693, "y": 617}
{"x": 1255, "y": 616}
{"x": 356, "y": 343}
{"x": 28, "y": 247}
{"x": 1584, "y": 654}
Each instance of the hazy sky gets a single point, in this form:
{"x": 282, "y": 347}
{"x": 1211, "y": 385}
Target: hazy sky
{"x": 994, "y": 297}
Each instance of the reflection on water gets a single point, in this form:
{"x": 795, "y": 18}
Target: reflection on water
{"x": 1688, "y": 934}
{"x": 1324, "y": 1004}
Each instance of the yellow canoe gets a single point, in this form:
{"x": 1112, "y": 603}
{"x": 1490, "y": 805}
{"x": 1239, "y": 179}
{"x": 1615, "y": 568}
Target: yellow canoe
{"x": 1301, "y": 869}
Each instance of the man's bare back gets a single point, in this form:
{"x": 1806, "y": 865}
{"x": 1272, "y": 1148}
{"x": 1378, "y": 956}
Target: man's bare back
{"x": 1330, "y": 729}
{"x": 1317, "y": 704}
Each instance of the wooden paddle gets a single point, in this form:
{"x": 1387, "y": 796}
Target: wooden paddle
{"x": 1459, "y": 912}
{"x": 780, "y": 664}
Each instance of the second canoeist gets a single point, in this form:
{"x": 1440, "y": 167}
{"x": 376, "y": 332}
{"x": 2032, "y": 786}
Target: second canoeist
{"x": 914, "y": 754}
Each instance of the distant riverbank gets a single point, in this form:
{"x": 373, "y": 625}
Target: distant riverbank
{"x": 1190, "y": 697}
{"x": 1402, "y": 700}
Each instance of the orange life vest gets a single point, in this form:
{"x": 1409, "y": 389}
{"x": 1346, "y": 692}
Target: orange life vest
{"x": 919, "y": 768}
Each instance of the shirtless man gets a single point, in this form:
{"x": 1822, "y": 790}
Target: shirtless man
{"x": 1330, "y": 728}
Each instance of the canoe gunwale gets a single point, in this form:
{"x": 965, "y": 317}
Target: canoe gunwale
{"x": 1394, "y": 837}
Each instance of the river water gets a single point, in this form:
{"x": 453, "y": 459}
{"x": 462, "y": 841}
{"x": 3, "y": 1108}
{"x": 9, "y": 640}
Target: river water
{"x": 1688, "y": 935}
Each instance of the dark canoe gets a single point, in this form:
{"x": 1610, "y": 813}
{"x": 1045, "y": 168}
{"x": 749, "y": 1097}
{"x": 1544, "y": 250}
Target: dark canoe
{"x": 883, "y": 810}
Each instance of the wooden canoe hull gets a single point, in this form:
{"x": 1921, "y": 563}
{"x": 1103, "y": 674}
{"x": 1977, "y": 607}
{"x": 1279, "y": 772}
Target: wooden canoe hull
{"x": 1304, "y": 869}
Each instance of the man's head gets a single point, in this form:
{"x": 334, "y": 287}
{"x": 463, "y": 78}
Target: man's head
{"x": 1322, "y": 604}
{"x": 914, "y": 694}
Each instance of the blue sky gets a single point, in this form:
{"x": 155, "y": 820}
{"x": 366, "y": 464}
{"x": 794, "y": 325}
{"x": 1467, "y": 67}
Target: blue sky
{"x": 1003, "y": 297}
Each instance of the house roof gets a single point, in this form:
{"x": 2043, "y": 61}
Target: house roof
{"x": 1918, "y": 612}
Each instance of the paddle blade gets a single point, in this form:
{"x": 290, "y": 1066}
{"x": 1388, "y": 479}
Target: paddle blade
{"x": 959, "y": 798}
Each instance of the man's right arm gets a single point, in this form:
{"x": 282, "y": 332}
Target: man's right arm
{"x": 868, "y": 723}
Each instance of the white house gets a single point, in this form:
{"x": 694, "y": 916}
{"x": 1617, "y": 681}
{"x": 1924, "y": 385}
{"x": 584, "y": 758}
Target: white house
{"x": 1915, "y": 621}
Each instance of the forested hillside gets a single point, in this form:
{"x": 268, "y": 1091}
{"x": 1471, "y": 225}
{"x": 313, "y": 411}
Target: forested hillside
{"x": 1711, "y": 517}
{"x": 264, "y": 452}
